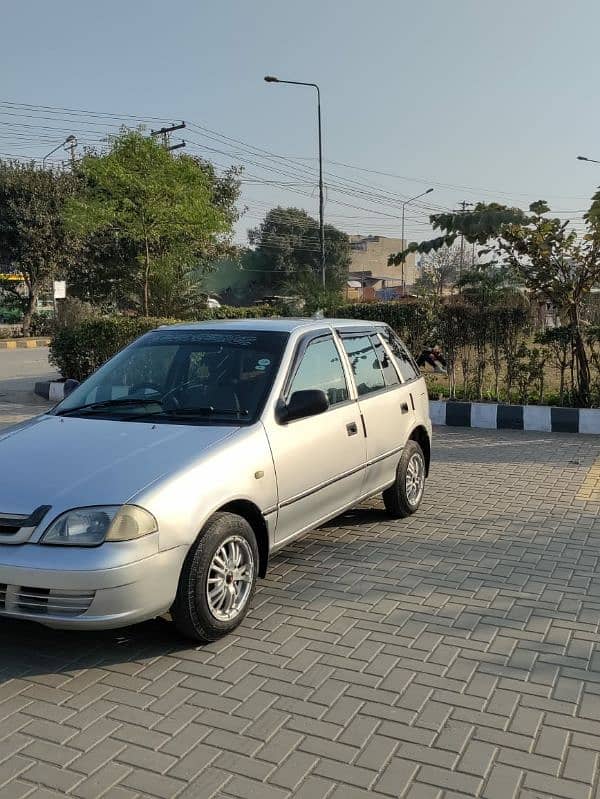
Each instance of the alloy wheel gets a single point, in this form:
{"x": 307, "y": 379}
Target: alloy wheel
{"x": 230, "y": 578}
{"x": 415, "y": 478}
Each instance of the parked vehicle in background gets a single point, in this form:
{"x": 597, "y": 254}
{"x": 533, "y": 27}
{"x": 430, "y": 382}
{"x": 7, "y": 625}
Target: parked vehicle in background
{"x": 167, "y": 479}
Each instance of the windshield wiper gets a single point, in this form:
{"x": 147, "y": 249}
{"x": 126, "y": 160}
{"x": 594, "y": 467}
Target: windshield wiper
{"x": 188, "y": 413}
{"x": 92, "y": 406}
{"x": 208, "y": 410}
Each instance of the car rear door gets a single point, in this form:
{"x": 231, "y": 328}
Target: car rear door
{"x": 319, "y": 460}
{"x": 385, "y": 405}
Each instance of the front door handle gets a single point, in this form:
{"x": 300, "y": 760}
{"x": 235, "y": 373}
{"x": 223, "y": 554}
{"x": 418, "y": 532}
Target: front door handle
{"x": 404, "y": 407}
{"x": 352, "y": 428}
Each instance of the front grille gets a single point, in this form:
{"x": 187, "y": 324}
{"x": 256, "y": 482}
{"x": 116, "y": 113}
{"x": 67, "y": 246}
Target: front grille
{"x": 19, "y": 600}
{"x": 9, "y": 529}
{"x": 18, "y": 529}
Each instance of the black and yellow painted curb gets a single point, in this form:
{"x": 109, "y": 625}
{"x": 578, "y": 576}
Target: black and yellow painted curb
{"x": 23, "y": 343}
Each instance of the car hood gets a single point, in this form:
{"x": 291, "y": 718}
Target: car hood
{"x": 71, "y": 462}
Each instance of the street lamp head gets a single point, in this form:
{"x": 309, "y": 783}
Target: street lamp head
{"x": 428, "y": 191}
{"x": 271, "y": 79}
{"x": 70, "y": 139}
{"x": 579, "y": 157}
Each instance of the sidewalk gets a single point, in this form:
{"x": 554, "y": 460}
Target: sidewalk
{"x": 23, "y": 343}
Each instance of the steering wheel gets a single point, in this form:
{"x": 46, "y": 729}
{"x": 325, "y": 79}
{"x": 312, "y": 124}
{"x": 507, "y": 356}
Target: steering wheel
{"x": 143, "y": 387}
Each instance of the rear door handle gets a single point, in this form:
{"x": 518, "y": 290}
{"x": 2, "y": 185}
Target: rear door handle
{"x": 352, "y": 428}
{"x": 404, "y": 407}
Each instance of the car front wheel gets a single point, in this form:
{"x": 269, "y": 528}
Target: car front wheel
{"x": 217, "y": 580}
{"x": 404, "y": 496}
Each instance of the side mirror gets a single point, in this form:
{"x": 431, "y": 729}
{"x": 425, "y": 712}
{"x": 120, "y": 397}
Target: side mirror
{"x": 70, "y": 386}
{"x": 303, "y": 404}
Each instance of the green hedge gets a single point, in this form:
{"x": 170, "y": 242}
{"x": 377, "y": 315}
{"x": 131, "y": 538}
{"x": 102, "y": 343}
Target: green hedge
{"x": 80, "y": 349}
{"x": 412, "y": 321}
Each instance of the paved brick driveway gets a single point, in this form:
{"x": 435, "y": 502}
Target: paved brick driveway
{"x": 455, "y": 654}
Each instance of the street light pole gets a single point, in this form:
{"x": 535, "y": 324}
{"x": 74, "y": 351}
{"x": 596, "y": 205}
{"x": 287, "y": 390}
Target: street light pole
{"x": 71, "y": 141}
{"x": 272, "y": 79}
{"x": 404, "y": 204}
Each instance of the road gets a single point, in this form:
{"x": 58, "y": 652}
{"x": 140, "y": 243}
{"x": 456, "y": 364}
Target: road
{"x": 19, "y": 371}
{"x": 454, "y": 654}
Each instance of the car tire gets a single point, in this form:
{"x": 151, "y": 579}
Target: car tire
{"x": 403, "y": 498}
{"x": 218, "y": 579}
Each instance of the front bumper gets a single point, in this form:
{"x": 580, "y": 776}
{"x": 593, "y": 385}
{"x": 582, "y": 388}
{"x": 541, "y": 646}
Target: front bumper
{"x": 113, "y": 585}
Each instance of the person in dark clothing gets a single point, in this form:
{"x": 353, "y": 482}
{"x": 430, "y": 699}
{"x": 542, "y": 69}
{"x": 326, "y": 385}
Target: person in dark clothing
{"x": 433, "y": 356}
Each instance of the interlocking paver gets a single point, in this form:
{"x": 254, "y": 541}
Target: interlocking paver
{"x": 451, "y": 654}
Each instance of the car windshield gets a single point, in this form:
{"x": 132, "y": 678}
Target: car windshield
{"x": 203, "y": 376}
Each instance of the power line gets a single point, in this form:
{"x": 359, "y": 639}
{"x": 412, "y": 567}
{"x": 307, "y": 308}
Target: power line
{"x": 123, "y": 116}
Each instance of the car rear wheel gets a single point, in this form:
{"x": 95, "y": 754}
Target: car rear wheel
{"x": 217, "y": 580}
{"x": 404, "y": 497}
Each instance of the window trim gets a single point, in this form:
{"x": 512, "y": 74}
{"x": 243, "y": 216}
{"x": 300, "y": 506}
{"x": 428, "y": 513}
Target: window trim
{"x": 299, "y": 353}
{"x": 391, "y": 361}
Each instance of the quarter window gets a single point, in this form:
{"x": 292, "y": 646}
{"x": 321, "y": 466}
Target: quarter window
{"x": 406, "y": 365}
{"x": 321, "y": 368}
{"x": 365, "y": 364}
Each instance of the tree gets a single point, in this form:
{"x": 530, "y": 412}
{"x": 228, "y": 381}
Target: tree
{"x": 33, "y": 239}
{"x": 165, "y": 214}
{"x": 544, "y": 253}
{"x": 308, "y": 286}
{"x": 557, "y": 341}
{"x": 287, "y": 246}
{"x": 487, "y": 286}
{"x": 439, "y": 271}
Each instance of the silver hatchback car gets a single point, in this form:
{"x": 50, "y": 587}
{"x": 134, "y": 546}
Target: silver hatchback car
{"x": 164, "y": 482}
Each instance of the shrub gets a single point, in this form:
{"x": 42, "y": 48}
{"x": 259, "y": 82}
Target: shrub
{"x": 42, "y": 324}
{"x": 7, "y": 332}
{"x": 71, "y": 311}
{"x": 412, "y": 321}
{"x": 10, "y": 316}
{"x": 79, "y": 349}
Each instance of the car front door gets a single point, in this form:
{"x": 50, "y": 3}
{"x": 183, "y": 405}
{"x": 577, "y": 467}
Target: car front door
{"x": 319, "y": 460}
{"x": 384, "y": 403}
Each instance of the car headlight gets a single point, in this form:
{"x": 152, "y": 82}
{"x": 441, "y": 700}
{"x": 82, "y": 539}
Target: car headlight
{"x": 88, "y": 527}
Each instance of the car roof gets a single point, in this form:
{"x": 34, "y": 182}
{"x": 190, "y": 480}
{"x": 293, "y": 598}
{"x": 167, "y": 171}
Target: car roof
{"x": 283, "y": 325}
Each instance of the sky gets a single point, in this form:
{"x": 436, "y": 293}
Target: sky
{"x": 482, "y": 100}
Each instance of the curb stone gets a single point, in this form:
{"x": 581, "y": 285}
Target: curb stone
{"x": 53, "y": 390}
{"x": 497, "y": 416}
{"x": 23, "y": 343}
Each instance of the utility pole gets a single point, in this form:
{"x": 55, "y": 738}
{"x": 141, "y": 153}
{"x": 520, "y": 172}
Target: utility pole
{"x": 71, "y": 143}
{"x": 463, "y": 208}
{"x": 164, "y": 134}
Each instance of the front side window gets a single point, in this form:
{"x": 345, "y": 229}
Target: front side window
{"x": 405, "y": 363}
{"x": 207, "y": 375}
{"x": 365, "y": 364}
{"x": 321, "y": 368}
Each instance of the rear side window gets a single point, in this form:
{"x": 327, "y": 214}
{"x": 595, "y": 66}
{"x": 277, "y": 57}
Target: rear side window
{"x": 387, "y": 367}
{"x": 321, "y": 368}
{"x": 366, "y": 368}
{"x": 404, "y": 361}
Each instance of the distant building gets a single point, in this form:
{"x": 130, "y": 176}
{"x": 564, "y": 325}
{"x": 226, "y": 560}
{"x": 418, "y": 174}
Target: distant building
{"x": 370, "y": 277}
